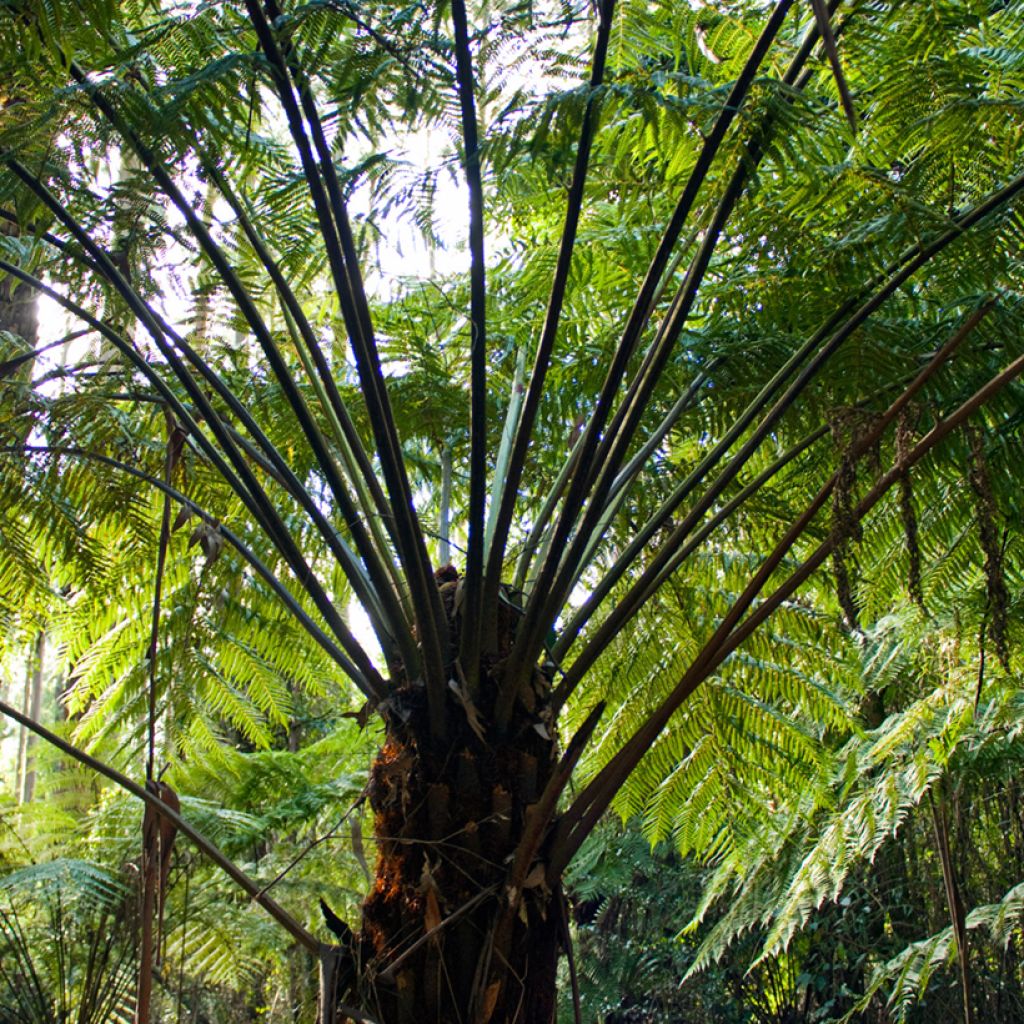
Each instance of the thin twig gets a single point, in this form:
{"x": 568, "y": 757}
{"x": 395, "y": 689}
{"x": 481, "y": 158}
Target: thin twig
{"x": 388, "y": 972}
{"x": 310, "y": 847}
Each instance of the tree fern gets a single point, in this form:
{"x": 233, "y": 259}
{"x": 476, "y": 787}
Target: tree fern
{"x": 816, "y": 227}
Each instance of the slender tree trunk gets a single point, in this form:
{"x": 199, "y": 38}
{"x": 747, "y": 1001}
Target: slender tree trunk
{"x": 954, "y": 902}
{"x": 23, "y": 733}
{"x": 19, "y": 316}
{"x": 34, "y": 710}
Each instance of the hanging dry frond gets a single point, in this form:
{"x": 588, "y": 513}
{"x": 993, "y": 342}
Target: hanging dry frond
{"x": 157, "y": 843}
{"x": 828, "y": 38}
{"x": 874, "y": 459}
{"x": 845, "y": 424}
{"x": 988, "y": 535}
{"x": 904, "y": 436}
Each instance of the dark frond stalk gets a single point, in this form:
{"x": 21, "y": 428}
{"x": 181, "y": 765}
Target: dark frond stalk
{"x": 824, "y": 21}
{"x": 671, "y": 554}
{"x": 248, "y": 309}
{"x": 601, "y": 455}
{"x": 644, "y": 305}
{"x": 374, "y": 610}
{"x": 271, "y": 460}
{"x": 327, "y": 193}
{"x": 373, "y": 587}
{"x": 292, "y": 307}
{"x": 8, "y": 366}
{"x": 331, "y": 208}
{"x": 908, "y": 263}
{"x": 535, "y": 389}
{"x": 471, "y": 636}
{"x": 394, "y": 596}
{"x": 613, "y": 624}
{"x": 629, "y": 473}
{"x": 611, "y": 449}
{"x": 561, "y": 563}
{"x": 367, "y": 677}
{"x": 285, "y": 596}
{"x": 335, "y": 230}
{"x": 157, "y": 331}
{"x": 626, "y": 476}
{"x": 544, "y": 516}
{"x": 227, "y": 274}
{"x": 586, "y": 810}
{"x": 632, "y": 468}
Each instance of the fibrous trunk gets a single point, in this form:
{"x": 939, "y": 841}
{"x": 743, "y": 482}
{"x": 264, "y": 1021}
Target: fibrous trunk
{"x": 445, "y": 937}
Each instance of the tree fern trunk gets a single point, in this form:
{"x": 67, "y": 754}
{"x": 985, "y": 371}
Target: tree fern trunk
{"x": 444, "y": 935}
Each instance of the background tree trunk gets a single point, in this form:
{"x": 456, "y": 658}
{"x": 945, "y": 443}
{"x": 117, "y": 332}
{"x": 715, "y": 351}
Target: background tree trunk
{"x": 23, "y": 734}
{"x": 34, "y": 696}
{"x": 18, "y": 313}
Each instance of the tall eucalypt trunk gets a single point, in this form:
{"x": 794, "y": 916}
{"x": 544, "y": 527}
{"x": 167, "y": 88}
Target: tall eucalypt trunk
{"x": 456, "y": 928}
